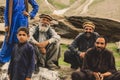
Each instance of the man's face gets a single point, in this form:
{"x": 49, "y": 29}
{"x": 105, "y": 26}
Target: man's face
{"x": 45, "y": 21}
{"x": 22, "y": 36}
{"x": 44, "y": 24}
{"x": 100, "y": 44}
{"x": 88, "y": 30}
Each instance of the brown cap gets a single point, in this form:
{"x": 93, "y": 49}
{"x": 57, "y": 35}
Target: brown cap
{"x": 46, "y": 16}
{"x": 89, "y": 24}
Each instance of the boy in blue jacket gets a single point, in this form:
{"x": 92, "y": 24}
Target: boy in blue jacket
{"x": 22, "y": 61}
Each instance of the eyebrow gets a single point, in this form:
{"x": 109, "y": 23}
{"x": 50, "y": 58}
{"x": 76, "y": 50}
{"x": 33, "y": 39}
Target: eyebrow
{"x": 99, "y": 42}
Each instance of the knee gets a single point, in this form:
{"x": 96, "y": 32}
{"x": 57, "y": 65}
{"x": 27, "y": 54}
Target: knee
{"x": 78, "y": 76}
{"x": 55, "y": 46}
{"x": 66, "y": 54}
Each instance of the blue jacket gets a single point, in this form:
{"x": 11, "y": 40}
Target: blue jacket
{"x": 22, "y": 62}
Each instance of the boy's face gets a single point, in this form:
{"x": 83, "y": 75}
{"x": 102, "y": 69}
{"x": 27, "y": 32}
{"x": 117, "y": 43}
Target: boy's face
{"x": 22, "y": 36}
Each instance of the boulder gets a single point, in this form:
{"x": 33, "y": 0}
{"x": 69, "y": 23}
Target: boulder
{"x": 70, "y": 27}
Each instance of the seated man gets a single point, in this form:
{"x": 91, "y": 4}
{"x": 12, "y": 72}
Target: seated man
{"x": 82, "y": 42}
{"x": 98, "y": 64}
{"x": 46, "y": 42}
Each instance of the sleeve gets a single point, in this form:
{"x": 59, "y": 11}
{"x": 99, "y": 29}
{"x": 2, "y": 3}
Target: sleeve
{"x": 97, "y": 35}
{"x": 86, "y": 66}
{"x": 31, "y": 32}
{"x": 54, "y": 36}
{"x": 31, "y": 66}
{"x": 6, "y": 13}
{"x": 112, "y": 67}
{"x": 10, "y": 66}
{"x": 11, "y": 61}
{"x": 74, "y": 45}
{"x": 35, "y": 8}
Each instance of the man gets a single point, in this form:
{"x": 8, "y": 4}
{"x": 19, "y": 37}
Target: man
{"x": 78, "y": 47}
{"x": 16, "y": 15}
{"x": 99, "y": 64}
{"x": 47, "y": 42}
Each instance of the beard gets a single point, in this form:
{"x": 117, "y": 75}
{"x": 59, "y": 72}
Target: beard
{"x": 43, "y": 27}
{"x": 99, "y": 49}
{"x": 88, "y": 34}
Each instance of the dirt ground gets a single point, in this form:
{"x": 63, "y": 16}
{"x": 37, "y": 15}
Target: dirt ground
{"x": 65, "y": 72}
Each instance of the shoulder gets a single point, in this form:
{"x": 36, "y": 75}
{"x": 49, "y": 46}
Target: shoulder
{"x": 29, "y": 46}
{"x": 90, "y": 50}
{"x": 95, "y": 33}
{"x": 108, "y": 52}
{"x": 80, "y": 35}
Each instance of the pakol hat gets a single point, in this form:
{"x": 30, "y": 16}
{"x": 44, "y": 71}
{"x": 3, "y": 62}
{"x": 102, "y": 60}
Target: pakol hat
{"x": 46, "y": 16}
{"x": 89, "y": 24}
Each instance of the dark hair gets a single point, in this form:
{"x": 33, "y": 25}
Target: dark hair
{"x": 46, "y": 16}
{"x": 26, "y": 30}
{"x": 106, "y": 40}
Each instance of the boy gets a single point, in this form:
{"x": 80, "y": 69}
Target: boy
{"x": 22, "y": 60}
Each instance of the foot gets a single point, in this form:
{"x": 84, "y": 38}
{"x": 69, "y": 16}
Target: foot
{"x": 74, "y": 67}
{"x": 53, "y": 67}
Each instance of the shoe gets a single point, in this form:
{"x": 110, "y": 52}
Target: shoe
{"x": 53, "y": 67}
{"x": 74, "y": 67}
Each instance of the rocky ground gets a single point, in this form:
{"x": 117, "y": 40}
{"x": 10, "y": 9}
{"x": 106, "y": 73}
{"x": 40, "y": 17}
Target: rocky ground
{"x": 44, "y": 74}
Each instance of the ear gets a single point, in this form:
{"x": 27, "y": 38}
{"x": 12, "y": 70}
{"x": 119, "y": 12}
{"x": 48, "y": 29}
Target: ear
{"x": 28, "y": 35}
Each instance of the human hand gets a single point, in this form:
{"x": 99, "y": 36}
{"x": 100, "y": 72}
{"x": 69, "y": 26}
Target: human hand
{"x": 42, "y": 50}
{"x": 98, "y": 75}
{"x": 26, "y": 13}
{"x": 43, "y": 44}
{"x": 27, "y": 78}
{"x": 6, "y": 28}
{"x": 82, "y": 54}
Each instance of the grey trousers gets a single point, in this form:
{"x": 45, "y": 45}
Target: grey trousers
{"x": 53, "y": 53}
{"x": 73, "y": 59}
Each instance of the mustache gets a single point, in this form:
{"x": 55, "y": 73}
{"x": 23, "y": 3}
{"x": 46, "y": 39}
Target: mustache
{"x": 98, "y": 47}
{"x": 88, "y": 33}
{"x": 45, "y": 25}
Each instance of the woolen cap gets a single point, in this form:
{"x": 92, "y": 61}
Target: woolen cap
{"x": 46, "y": 16}
{"x": 89, "y": 24}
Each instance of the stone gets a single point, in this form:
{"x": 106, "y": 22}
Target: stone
{"x": 44, "y": 74}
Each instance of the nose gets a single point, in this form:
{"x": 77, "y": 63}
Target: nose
{"x": 99, "y": 45}
{"x": 88, "y": 30}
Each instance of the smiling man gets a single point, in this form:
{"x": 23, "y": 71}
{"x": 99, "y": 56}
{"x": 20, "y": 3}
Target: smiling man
{"x": 76, "y": 51}
{"x": 47, "y": 43}
{"x": 98, "y": 64}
